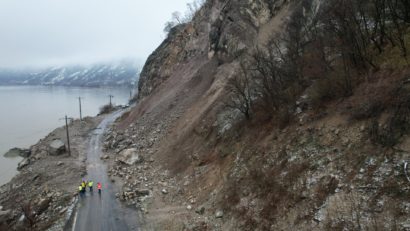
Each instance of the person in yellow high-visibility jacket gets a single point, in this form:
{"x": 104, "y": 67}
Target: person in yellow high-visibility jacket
{"x": 80, "y": 190}
{"x": 84, "y": 186}
{"x": 90, "y": 185}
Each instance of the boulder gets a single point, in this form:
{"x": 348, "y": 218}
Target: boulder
{"x": 105, "y": 157}
{"x": 5, "y": 216}
{"x": 200, "y": 210}
{"x": 23, "y": 163}
{"x": 56, "y": 147}
{"x": 129, "y": 156}
{"x": 142, "y": 192}
{"x": 43, "y": 205}
{"x": 219, "y": 214}
{"x": 16, "y": 152}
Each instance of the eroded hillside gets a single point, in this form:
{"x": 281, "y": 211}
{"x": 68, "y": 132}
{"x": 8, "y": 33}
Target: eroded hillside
{"x": 272, "y": 115}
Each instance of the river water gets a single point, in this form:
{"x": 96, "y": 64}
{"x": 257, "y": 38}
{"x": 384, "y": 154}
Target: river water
{"x": 29, "y": 113}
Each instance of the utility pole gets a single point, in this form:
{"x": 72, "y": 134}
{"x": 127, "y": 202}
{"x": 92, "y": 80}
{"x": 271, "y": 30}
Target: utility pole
{"x": 79, "y": 102}
{"x": 68, "y": 136}
{"x": 111, "y": 96}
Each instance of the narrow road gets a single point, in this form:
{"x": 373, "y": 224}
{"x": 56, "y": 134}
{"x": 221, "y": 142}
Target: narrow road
{"x": 102, "y": 212}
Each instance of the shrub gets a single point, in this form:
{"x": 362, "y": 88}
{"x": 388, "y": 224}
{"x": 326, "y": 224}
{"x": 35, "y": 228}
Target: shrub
{"x": 106, "y": 109}
{"x": 398, "y": 124}
{"x": 370, "y": 109}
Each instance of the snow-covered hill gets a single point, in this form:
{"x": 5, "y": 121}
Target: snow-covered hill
{"x": 118, "y": 74}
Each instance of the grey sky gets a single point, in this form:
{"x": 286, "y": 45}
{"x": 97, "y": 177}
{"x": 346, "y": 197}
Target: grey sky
{"x": 57, "y": 32}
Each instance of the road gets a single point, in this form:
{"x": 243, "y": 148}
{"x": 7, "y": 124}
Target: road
{"x": 102, "y": 212}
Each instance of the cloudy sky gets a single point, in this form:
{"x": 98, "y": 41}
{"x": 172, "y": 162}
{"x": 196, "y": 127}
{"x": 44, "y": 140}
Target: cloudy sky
{"x": 38, "y": 33}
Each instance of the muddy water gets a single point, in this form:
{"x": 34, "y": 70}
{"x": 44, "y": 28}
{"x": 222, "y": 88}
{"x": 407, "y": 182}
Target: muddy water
{"x": 28, "y": 113}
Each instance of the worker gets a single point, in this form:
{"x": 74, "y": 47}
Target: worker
{"x": 99, "y": 187}
{"x": 84, "y": 186}
{"x": 90, "y": 185}
{"x": 80, "y": 190}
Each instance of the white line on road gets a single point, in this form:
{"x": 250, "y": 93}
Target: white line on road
{"x": 75, "y": 220}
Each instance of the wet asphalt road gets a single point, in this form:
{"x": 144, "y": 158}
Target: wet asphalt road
{"x": 102, "y": 212}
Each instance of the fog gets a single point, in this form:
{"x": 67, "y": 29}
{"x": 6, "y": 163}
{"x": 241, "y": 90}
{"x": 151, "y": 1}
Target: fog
{"x": 44, "y": 33}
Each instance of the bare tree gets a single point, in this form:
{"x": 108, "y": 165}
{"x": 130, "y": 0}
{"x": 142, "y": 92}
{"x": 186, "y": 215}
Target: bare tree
{"x": 193, "y": 8}
{"x": 241, "y": 93}
{"x": 177, "y": 18}
{"x": 399, "y": 26}
{"x": 273, "y": 76}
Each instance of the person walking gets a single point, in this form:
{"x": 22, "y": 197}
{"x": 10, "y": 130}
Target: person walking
{"x": 90, "y": 185}
{"x": 99, "y": 187}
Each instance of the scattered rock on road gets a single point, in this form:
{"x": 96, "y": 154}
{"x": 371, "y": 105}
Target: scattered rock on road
{"x": 105, "y": 157}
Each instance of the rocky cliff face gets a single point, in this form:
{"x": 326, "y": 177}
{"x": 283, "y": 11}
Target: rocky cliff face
{"x": 221, "y": 30}
{"x": 205, "y": 168}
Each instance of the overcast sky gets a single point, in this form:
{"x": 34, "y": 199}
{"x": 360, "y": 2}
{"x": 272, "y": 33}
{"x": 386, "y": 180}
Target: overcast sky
{"x": 38, "y": 33}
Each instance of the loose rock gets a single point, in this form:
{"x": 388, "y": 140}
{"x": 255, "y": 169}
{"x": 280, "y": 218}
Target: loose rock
{"x": 56, "y": 147}
{"x": 129, "y": 156}
{"x": 23, "y": 163}
{"x": 219, "y": 214}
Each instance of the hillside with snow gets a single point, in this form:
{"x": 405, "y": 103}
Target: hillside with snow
{"x": 118, "y": 74}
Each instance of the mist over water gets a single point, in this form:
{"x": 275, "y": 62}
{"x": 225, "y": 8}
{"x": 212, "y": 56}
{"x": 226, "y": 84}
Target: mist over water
{"x": 29, "y": 113}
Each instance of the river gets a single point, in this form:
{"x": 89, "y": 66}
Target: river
{"x": 29, "y": 113}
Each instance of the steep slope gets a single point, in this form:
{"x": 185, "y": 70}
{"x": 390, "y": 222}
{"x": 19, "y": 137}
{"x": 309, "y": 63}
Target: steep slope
{"x": 208, "y": 168}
